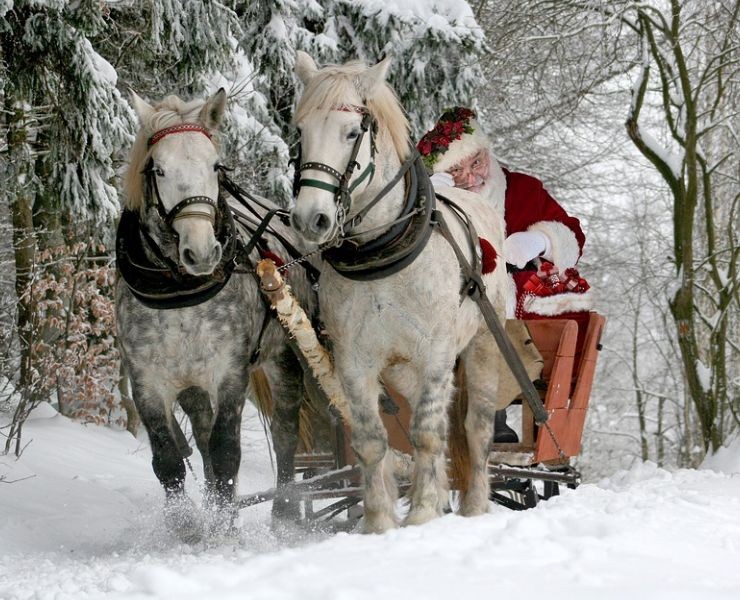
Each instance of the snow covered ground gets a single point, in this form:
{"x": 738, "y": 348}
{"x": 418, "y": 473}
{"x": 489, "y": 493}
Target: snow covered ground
{"x": 80, "y": 519}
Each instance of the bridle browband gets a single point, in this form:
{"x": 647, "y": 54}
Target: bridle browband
{"x": 152, "y": 189}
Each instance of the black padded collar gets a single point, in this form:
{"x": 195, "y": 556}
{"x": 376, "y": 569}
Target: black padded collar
{"x": 397, "y": 247}
{"x": 160, "y": 285}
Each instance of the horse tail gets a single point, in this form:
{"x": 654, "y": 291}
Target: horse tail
{"x": 457, "y": 439}
{"x": 261, "y": 393}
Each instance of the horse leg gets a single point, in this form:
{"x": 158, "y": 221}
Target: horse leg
{"x": 287, "y": 391}
{"x": 196, "y": 403}
{"x": 167, "y": 462}
{"x": 481, "y": 363}
{"x": 370, "y": 444}
{"x": 429, "y": 489}
{"x": 225, "y": 449}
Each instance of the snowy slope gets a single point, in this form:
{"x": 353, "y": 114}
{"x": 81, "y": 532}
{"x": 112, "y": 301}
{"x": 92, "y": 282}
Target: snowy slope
{"x": 86, "y": 524}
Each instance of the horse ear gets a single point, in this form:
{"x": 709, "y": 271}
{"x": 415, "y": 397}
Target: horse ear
{"x": 305, "y": 67}
{"x": 373, "y": 77}
{"x": 213, "y": 110}
{"x": 142, "y": 107}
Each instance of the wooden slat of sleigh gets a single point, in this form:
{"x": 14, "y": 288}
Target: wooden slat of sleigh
{"x": 568, "y": 392}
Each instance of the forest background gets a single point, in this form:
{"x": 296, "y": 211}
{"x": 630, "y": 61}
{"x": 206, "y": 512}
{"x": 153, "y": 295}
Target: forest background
{"x": 627, "y": 111}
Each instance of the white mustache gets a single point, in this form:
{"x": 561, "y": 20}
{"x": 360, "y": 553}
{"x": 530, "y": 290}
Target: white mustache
{"x": 479, "y": 181}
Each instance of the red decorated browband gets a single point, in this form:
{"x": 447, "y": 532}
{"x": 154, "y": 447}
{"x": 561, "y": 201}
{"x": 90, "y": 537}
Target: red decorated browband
{"x": 179, "y": 128}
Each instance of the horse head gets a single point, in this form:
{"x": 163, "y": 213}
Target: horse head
{"x": 172, "y": 179}
{"x": 348, "y": 117}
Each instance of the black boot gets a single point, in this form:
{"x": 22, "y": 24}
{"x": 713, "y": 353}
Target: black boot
{"x": 502, "y": 433}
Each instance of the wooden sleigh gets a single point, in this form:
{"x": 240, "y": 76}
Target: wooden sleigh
{"x": 521, "y": 474}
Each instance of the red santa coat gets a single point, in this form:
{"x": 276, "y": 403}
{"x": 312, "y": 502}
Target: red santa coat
{"x": 527, "y": 203}
{"x": 529, "y": 207}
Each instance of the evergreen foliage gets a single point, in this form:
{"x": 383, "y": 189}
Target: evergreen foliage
{"x": 69, "y": 113}
{"x": 66, "y": 69}
{"x": 434, "y": 46}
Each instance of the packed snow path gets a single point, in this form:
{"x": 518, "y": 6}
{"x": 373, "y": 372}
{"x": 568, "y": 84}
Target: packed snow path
{"x": 86, "y": 524}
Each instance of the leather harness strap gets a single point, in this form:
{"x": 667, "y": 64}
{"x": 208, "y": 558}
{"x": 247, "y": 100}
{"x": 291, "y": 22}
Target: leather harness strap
{"x": 476, "y": 289}
{"x": 398, "y": 245}
{"x": 159, "y": 283}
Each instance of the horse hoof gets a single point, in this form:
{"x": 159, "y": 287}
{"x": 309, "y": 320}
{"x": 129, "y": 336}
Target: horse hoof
{"x": 222, "y": 523}
{"x": 419, "y": 516}
{"x": 378, "y": 523}
{"x": 286, "y": 509}
{"x": 470, "y": 510}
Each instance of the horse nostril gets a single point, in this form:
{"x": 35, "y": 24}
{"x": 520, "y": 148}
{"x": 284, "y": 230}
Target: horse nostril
{"x": 321, "y": 223}
{"x": 188, "y": 257}
{"x": 215, "y": 254}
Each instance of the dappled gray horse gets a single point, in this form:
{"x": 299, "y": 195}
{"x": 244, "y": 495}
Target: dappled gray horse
{"x": 190, "y": 329}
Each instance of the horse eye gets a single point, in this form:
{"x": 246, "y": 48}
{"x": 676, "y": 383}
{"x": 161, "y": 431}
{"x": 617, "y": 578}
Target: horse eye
{"x": 158, "y": 171}
{"x": 353, "y": 135}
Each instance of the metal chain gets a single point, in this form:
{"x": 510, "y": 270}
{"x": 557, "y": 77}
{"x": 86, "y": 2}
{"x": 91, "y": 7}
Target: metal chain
{"x": 561, "y": 453}
{"x": 300, "y": 259}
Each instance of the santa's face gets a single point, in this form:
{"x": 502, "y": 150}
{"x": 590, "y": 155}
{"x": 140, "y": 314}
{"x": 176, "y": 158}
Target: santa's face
{"x": 473, "y": 172}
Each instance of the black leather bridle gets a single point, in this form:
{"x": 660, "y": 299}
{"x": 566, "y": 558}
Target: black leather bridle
{"x": 342, "y": 191}
{"x": 152, "y": 189}
{"x": 398, "y": 242}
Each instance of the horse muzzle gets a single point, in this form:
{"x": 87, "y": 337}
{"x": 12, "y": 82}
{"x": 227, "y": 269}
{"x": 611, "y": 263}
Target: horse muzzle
{"x": 315, "y": 227}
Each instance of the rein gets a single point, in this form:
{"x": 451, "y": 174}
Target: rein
{"x": 474, "y": 287}
{"x": 256, "y": 225}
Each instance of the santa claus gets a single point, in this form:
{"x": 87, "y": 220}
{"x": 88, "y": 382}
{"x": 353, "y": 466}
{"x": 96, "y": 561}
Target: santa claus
{"x": 543, "y": 242}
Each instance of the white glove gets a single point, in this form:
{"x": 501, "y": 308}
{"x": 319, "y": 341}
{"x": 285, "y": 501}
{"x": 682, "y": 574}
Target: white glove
{"x": 442, "y": 179}
{"x": 523, "y": 246}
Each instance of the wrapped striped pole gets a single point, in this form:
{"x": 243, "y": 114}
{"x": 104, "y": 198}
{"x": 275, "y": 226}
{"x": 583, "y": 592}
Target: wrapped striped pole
{"x": 298, "y": 325}
{"x": 296, "y": 322}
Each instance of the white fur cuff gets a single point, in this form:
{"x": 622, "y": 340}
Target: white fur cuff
{"x": 564, "y": 251}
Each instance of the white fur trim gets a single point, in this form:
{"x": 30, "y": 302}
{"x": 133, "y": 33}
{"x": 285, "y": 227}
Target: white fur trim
{"x": 467, "y": 145}
{"x": 565, "y": 251}
{"x": 510, "y": 297}
{"x": 558, "y": 304}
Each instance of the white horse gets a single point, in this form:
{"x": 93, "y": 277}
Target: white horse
{"x": 405, "y": 325}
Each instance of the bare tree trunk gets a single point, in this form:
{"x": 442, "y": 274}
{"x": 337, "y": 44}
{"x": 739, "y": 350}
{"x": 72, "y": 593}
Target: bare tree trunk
{"x": 24, "y": 243}
{"x": 639, "y": 397}
{"x": 659, "y": 440}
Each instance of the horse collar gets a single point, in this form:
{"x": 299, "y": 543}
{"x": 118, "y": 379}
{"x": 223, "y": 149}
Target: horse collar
{"x": 400, "y": 244}
{"x": 159, "y": 283}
